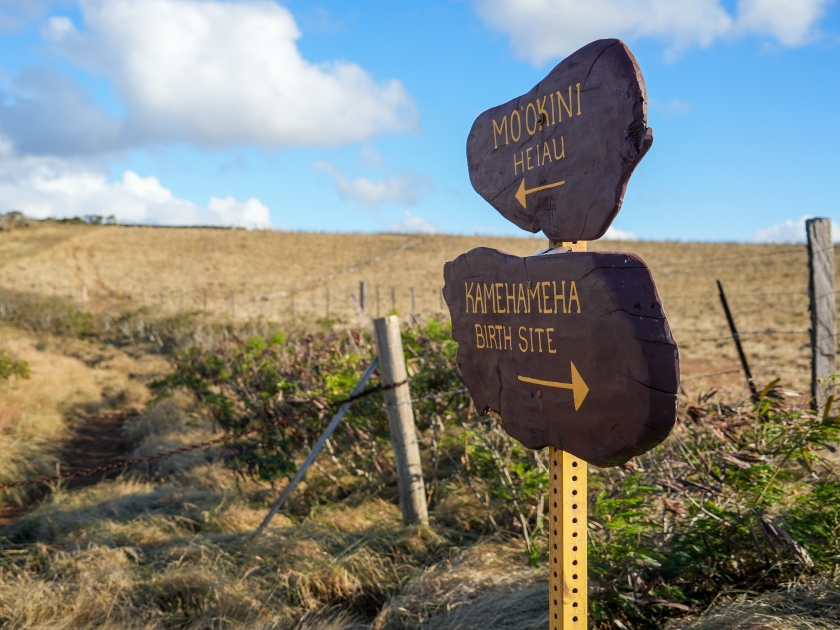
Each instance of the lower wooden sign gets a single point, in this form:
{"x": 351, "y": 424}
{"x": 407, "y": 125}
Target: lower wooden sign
{"x": 573, "y": 350}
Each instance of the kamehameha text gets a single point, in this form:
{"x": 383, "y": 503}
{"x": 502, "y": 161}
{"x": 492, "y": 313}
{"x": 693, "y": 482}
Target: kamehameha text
{"x": 547, "y": 297}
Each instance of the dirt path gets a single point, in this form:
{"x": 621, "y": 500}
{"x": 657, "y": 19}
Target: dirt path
{"x": 97, "y": 442}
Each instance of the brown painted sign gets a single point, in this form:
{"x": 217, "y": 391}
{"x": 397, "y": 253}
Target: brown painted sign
{"x": 558, "y": 158}
{"x": 573, "y": 350}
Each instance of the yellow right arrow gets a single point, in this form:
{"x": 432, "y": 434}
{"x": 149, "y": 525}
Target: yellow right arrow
{"x": 520, "y": 194}
{"x": 578, "y": 387}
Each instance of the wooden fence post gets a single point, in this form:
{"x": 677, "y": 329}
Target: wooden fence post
{"x": 822, "y": 302}
{"x": 362, "y": 296}
{"x": 401, "y": 420}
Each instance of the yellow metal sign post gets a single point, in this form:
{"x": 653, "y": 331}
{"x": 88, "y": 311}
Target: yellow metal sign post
{"x": 567, "y": 579}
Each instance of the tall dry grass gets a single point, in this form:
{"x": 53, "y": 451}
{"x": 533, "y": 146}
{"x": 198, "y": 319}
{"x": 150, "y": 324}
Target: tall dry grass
{"x": 70, "y": 380}
{"x": 814, "y": 605}
{"x": 169, "y": 545}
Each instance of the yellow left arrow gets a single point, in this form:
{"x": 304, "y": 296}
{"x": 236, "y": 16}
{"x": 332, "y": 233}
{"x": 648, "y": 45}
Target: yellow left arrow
{"x": 520, "y": 194}
{"x": 578, "y": 387}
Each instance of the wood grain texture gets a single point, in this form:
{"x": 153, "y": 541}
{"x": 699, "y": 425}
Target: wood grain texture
{"x": 407, "y": 461}
{"x": 823, "y": 308}
{"x": 598, "y": 380}
{"x": 558, "y": 158}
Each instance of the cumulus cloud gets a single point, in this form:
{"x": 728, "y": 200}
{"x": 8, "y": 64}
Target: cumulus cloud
{"x": 617, "y": 234}
{"x": 15, "y": 14}
{"x": 54, "y": 187}
{"x": 210, "y": 73}
{"x": 45, "y": 112}
{"x": 413, "y": 224}
{"x": 789, "y": 231}
{"x": 405, "y": 189}
{"x": 791, "y": 22}
{"x": 541, "y": 30}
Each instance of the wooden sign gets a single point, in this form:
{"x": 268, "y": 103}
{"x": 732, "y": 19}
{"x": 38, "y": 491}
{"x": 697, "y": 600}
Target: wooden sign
{"x": 558, "y": 158}
{"x": 573, "y": 350}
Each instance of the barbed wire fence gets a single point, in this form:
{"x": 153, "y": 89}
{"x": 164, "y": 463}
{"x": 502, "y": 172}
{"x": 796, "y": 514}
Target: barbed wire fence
{"x": 231, "y": 437}
{"x": 366, "y": 303}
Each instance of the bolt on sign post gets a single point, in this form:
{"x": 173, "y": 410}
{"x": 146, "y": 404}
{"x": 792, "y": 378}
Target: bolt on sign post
{"x": 571, "y": 348}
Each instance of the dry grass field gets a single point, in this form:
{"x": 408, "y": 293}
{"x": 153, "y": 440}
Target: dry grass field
{"x": 247, "y": 274}
{"x": 167, "y": 544}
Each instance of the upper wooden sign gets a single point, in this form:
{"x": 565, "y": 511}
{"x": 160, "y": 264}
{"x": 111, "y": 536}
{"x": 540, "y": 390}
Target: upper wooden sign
{"x": 573, "y": 350}
{"x": 558, "y": 158}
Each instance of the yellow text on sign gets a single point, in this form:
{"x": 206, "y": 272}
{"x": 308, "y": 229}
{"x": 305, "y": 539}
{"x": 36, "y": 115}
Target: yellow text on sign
{"x": 517, "y": 297}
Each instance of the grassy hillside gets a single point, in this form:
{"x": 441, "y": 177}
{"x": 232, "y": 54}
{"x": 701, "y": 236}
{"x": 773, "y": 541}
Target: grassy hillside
{"x": 248, "y": 274}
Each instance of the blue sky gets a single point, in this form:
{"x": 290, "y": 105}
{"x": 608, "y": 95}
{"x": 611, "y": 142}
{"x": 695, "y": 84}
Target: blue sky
{"x": 342, "y": 116}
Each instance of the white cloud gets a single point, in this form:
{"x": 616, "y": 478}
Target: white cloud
{"x": 541, "y": 30}
{"x": 617, "y": 234}
{"x": 790, "y": 231}
{"x": 53, "y": 187}
{"x": 671, "y": 109}
{"x": 413, "y": 224}
{"x": 791, "y": 22}
{"x": 15, "y": 14}
{"x": 215, "y": 74}
{"x": 405, "y": 189}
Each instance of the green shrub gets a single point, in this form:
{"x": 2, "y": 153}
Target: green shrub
{"x": 10, "y": 366}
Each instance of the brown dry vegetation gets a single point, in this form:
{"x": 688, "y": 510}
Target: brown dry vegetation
{"x": 256, "y": 273}
{"x": 165, "y": 545}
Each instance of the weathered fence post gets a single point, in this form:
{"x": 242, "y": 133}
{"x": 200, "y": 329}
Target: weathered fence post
{"x": 401, "y": 419}
{"x": 412, "y": 302}
{"x": 362, "y": 296}
{"x": 822, "y": 302}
